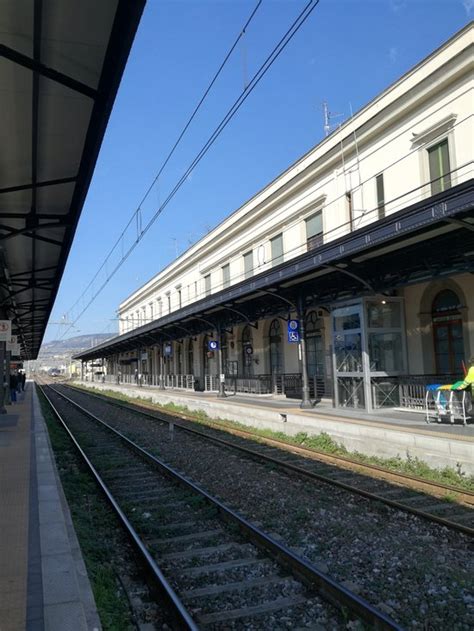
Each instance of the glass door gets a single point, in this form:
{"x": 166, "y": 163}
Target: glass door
{"x": 348, "y": 358}
{"x": 386, "y": 350}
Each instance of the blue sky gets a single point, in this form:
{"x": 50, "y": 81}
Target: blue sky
{"x": 346, "y": 53}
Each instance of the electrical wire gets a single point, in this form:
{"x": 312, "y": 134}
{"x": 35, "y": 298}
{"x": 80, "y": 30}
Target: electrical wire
{"x": 136, "y": 215}
{"x": 267, "y": 64}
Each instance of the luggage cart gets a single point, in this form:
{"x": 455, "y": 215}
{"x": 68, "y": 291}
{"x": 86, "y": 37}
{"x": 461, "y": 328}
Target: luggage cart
{"x": 451, "y": 402}
{"x": 431, "y": 407}
{"x": 460, "y": 405}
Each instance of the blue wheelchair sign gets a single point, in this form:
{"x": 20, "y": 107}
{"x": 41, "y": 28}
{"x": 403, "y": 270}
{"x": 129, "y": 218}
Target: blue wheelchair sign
{"x": 293, "y": 331}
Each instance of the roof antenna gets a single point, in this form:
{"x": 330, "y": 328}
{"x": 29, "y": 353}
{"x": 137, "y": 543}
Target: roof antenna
{"x": 328, "y": 127}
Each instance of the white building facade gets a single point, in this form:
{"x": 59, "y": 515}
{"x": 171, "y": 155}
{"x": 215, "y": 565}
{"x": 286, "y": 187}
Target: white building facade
{"x": 365, "y": 242}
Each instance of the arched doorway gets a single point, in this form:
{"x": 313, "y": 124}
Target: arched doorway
{"x": 276, "y": 348}
{"x": 447, "y": 332}
{"x": 315, "y": 352}
{"x": 225, "y": 351}
{"x": 205, "y": 354}
{"x": 190, "y": 358}
{"x": 247, "y": 352}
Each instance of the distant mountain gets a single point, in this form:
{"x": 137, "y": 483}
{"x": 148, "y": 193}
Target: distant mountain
{"x": 73, "y": 344}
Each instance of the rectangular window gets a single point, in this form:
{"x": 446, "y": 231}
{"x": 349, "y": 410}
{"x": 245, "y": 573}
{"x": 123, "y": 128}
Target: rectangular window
{"x": 248, "y": 264}
{"x": 440, "y": 170}
{"x": 169, "y": 302}
{"x": 151, "y": 311}
{"x": 159, "y": 307}
{"x": 207, "y": 285}
{"x": 195, "y": 288}
{"x": 225, "y": 275}
{"x": 314, "y": 230}
{"x": 380, "y": 195}
{"x": 277, "y": 249}
{"x": 179, "y": 299}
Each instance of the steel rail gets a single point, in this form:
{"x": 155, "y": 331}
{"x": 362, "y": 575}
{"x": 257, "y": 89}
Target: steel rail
{"x": 177, "y": 608}
{"x": 328, "y": 588}
{"x": 310, "y": 474}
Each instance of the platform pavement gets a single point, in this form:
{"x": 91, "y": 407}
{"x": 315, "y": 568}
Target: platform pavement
{"x": 385, "y": 433}
{"x": 43, "y": 579}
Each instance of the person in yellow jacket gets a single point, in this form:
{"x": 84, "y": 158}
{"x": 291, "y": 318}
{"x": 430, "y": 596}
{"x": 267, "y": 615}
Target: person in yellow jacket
{"x": 468, "y": 380}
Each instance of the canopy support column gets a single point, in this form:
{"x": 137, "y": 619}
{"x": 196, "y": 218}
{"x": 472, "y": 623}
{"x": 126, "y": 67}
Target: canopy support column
{"x": 301, "y": 312}
{"x": 3, "y": 379}
{"x": 221, "y": 394}
{"x": 162, "y": 366}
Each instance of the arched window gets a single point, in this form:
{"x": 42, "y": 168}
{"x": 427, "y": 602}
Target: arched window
{"x": 247, "y": 351}
{"x": 276, "y": 350}
{"x": 225, "y": 351}
{"x": 447, "y": 332}
{"x": 315, "y": 352}
{"x": 205, "y": 354}
{"x": 179, "y": 358}
{"x": 446, "y": 300}
{"x": 314, "y": 324}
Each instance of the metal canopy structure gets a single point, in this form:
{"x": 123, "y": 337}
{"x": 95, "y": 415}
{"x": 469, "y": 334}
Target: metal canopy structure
{"x": 60, "y": 67}
{"x": 429, "y": 239}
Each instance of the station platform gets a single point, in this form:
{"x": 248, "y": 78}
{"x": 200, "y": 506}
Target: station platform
{"x": 386, "y": 433}
{"x": 43, "y": 579}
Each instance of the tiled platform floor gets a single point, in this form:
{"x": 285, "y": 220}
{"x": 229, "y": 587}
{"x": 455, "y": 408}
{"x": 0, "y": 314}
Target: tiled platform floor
{"x": 43, "y": 581}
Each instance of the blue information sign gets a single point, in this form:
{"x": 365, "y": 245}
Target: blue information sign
{"x": 293, "y": 331}
{"x": 213, "y": 345}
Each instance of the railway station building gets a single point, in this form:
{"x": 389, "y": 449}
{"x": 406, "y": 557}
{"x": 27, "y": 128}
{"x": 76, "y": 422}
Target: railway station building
{"x": 347, "y": 278}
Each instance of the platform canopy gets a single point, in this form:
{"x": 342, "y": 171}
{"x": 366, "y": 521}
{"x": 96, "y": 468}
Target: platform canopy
{"x": 433, "y": 238}
{"x": 61, "y": 62}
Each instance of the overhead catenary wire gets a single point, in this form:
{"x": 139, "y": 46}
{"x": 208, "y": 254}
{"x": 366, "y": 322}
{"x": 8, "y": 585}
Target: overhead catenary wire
{"x": 257, "y": 77}
{"x": 137, "y": 213}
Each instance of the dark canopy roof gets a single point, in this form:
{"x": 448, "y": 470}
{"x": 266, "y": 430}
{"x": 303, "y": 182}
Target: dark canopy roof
{"x": 60, "y": 67}
{"x": 431, "y": 238}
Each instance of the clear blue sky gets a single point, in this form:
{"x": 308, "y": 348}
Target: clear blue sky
{"x": 347, "y": 52}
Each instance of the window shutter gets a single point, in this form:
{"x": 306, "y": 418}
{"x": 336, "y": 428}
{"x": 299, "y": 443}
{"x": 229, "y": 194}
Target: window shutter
{"x": 277, "y": 249}
{"x": 314, "y": 230}
{"x": 248, "y": 264}
{"x": 440, "y": 175}
{"x": 226, "y": 275}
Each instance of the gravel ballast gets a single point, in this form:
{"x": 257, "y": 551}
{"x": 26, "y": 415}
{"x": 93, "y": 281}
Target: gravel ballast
{"x": 419, "y": 573}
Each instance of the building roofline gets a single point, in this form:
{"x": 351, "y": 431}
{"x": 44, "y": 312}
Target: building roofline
{"x": 329, "y": 140}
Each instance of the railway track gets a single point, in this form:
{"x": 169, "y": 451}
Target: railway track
{"x": 214, "y": 568}
{"x": 417, "y": 496}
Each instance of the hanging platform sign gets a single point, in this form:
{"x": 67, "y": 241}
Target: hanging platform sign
{"x": 5, "y": 330}
{"x": 213, "y": 345}
{"x": 293, "y": 331}
{"x": 168, "y": 350}
{"x": 11, "y": 343}
{"x": 15, "y": 350}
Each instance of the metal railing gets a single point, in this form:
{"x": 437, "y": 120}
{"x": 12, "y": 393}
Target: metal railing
{"x": 285, "y": 384}
{"x": 412, "y": 388}
{"x": 178, "y": 382}
{"x": 406, "y": 391}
